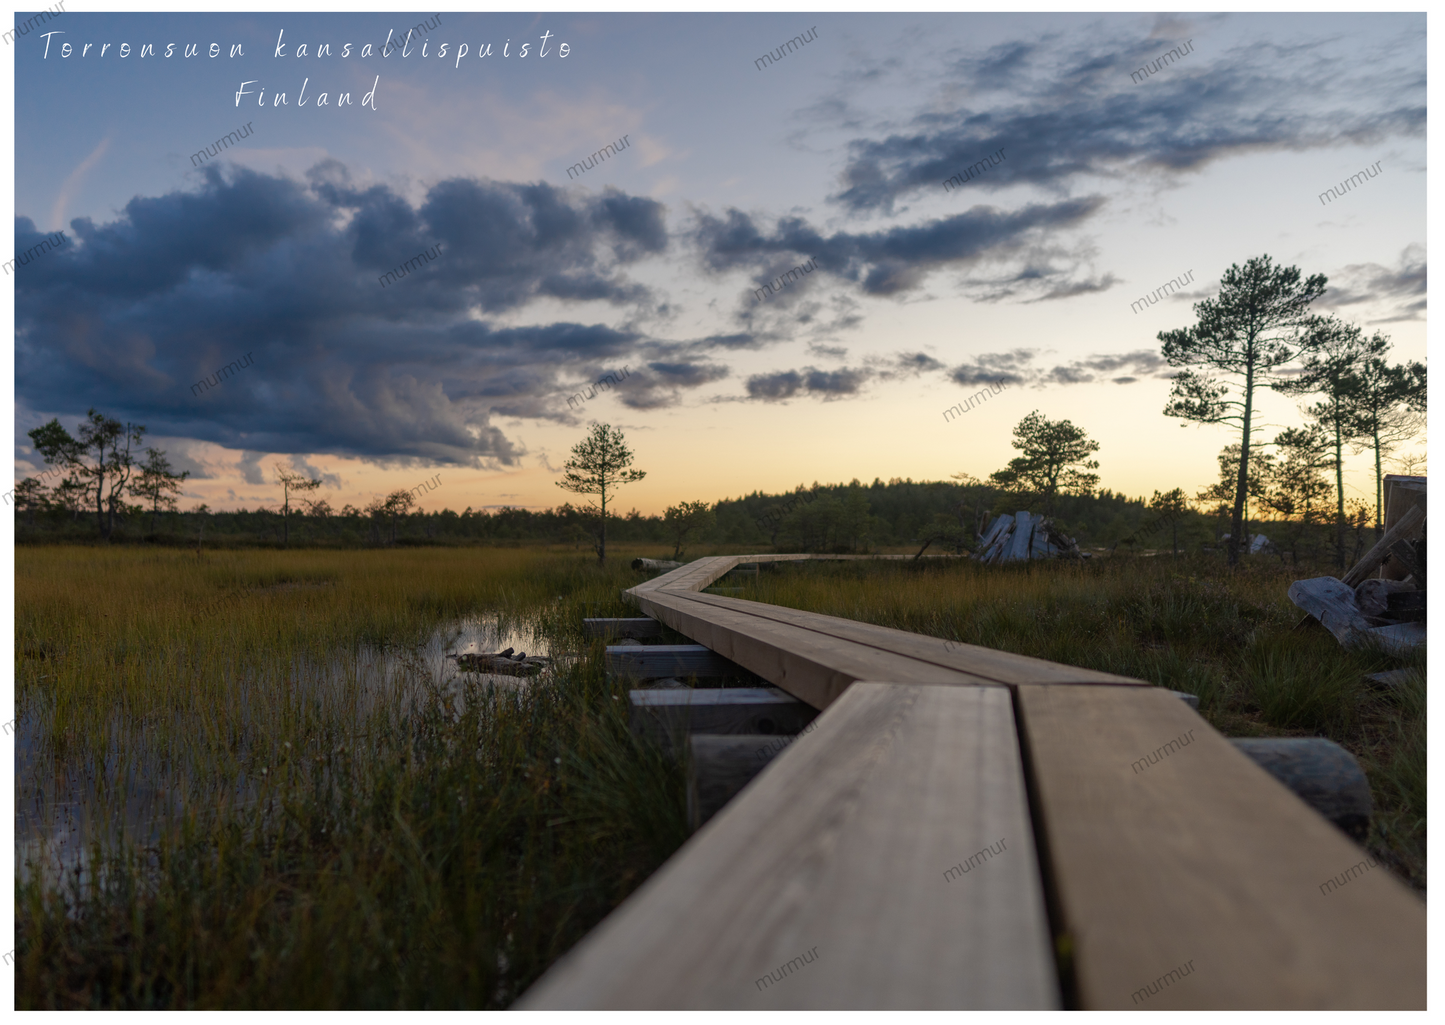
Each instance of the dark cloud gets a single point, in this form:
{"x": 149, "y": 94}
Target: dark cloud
{"x": 1140, "y": 363}
{"x": 918, "y": 362}
{"x": 892, "y": 260}
{"x": 1017, "y": 367}
{"x": 1400, "y": 290}
{"x": 1066, "y": 107}
{"x": 250, "y": 467}
{"x": 661, "y": 383}
{"x": 783, "y": 385}
{"x": 330, "y": 480}
{"x": 829, "y": 384}
{"x": 138, "y": 310}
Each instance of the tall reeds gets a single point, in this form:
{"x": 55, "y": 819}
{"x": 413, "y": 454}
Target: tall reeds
{"x": 280, "y": 803}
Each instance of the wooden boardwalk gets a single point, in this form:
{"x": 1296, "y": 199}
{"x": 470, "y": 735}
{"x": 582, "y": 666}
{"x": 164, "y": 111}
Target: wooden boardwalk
{"x": 965, "y": 828}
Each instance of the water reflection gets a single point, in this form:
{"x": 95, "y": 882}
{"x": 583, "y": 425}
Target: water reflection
{"x": 67, "y": 801}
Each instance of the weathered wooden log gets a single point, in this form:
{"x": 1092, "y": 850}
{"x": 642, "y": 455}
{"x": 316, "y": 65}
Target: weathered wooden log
{"x": 1372, "y": 596}
{"x": 1332, "y": 602}
{"x": 656, "y": 660}
{"x": 1406, "y": 528}
{"x": 993, "y": 533}
{"x": 1023, "y": 534}
{"x": 637, "y": 629}
{"x": 661, "y": 715}
{"x": 655, "y": 564}
{"x": 504, "y": 663}
{"x": 1399, "y": 639}
{"x": 1323, "y": 774}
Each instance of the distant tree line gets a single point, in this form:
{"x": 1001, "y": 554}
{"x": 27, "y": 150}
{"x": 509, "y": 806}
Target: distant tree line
{"x": 1053, "y": 474}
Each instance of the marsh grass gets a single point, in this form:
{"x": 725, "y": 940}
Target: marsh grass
{"x": 315, "y": 828}
{"x": 1187, "y": 624}
{"x": 282, "y": 804}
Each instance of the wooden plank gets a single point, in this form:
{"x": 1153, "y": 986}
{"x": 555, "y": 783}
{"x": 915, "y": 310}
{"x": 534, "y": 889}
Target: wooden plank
{"x": 904, "y": 785}
{"x": 1023, "y": 532}
{"x": 661, "y": 715}
{"x": 985, "y": 663}
{"x": 699, "y": 573}
{"x": 1201, "y": 858}
{"x": 812, "y": 666}
{"x": 1333, "y": 603}
{"x": 639, "y": 628}
{"x": 1406, "y": 528}
{"x": 1400, "y": 493}
{"x": 1004, "y": 519}
{"x": 658, "y": 660}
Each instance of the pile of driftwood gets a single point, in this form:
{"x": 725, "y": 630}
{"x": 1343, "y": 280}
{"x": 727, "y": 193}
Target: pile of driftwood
{"x": 1024, "y": 536}
{"x": 503, "y": 663}
{"x": 1380, "y": 602}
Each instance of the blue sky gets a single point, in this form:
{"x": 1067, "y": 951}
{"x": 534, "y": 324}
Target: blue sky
{"x": 1108, "y": 187}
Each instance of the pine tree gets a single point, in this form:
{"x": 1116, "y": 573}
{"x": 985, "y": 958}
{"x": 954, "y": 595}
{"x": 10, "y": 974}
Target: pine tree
{"x": 1246, "y": 334}
{"x": 1334, "y": 349}
{"x": 1055, "y": 456}
{"x": 598, "y": 466}
{"x": 159, "y": 483}
{"x": 1387, "y": 406}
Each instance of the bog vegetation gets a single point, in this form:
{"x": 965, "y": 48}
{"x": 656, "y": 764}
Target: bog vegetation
{"x": 241, "y": 782}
